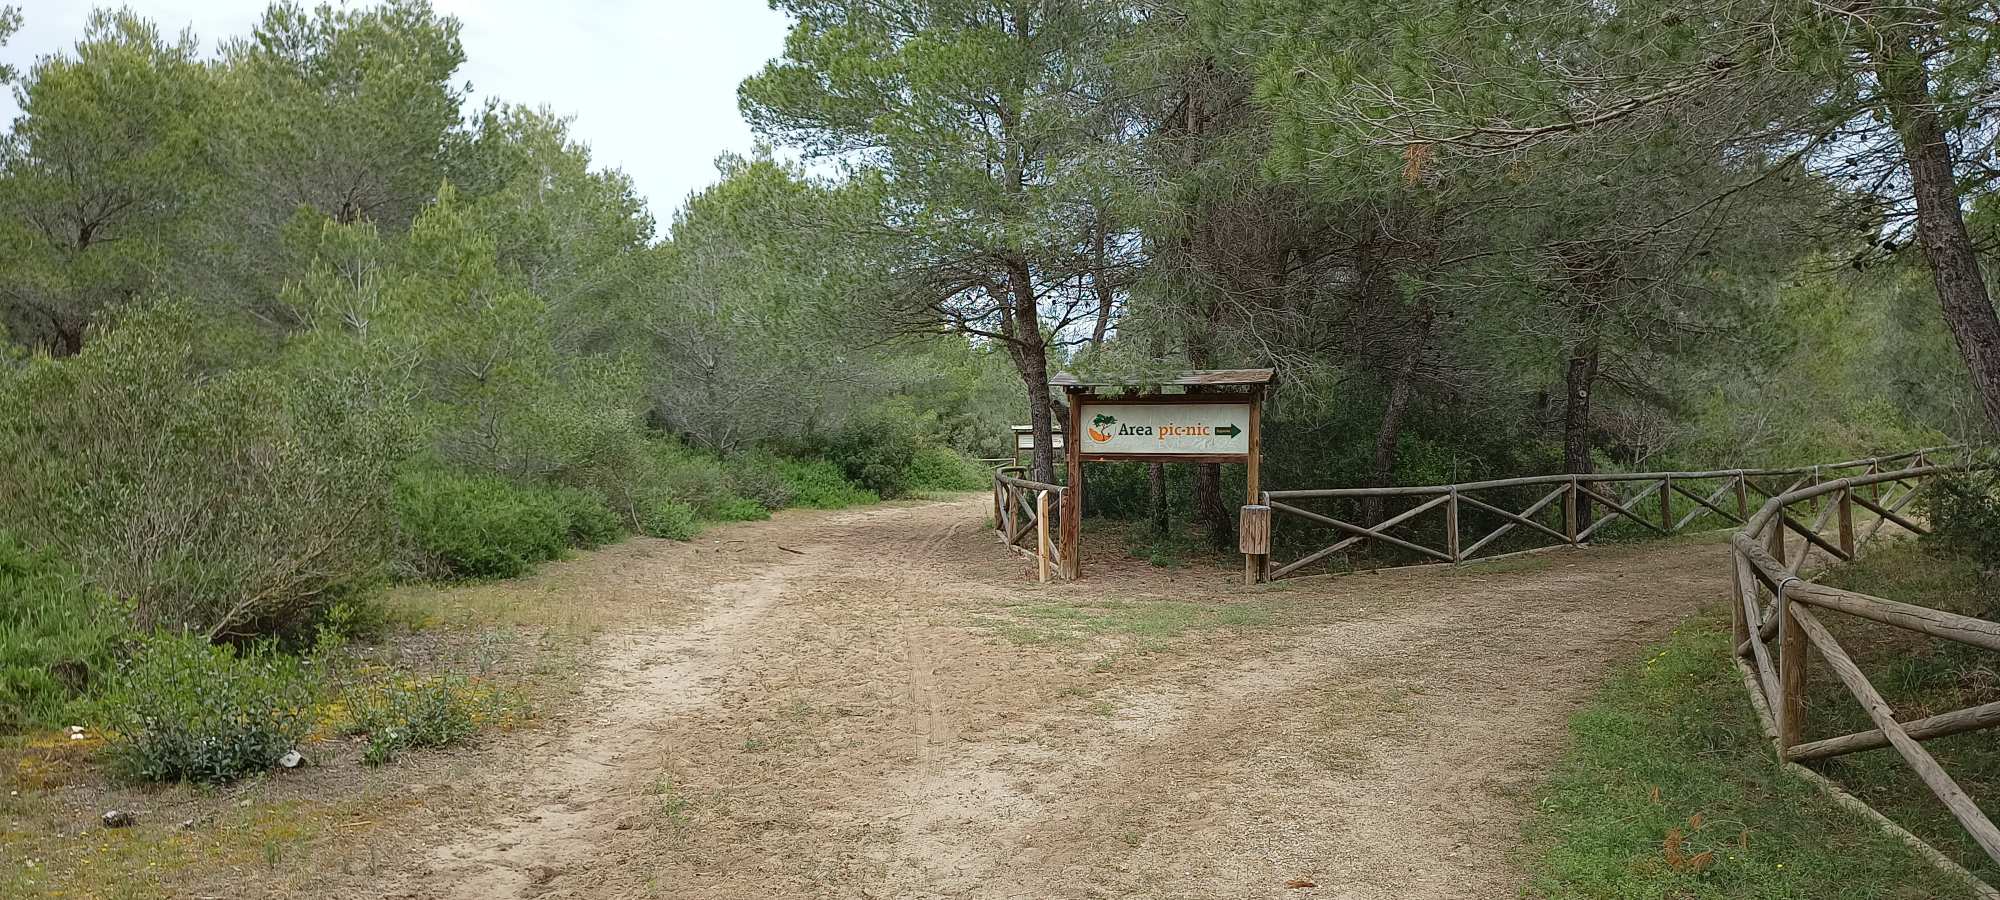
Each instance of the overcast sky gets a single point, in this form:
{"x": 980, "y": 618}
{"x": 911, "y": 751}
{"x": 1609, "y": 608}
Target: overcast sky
{"x": 651, "y": 84}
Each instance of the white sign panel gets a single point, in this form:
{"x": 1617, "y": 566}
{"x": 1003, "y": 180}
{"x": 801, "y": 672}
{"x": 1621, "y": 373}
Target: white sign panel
{"x": 1155, "y": 429}
{"x": 1026, "y": 440}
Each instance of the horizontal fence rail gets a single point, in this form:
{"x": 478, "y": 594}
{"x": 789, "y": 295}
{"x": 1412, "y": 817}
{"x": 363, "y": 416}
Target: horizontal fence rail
{"x": 1512, "y": 514}
{"x": 1778, "y": 628}
{"x": 1028, "y": 517}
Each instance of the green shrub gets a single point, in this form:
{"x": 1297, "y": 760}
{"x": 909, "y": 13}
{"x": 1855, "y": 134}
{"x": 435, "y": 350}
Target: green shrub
{"x": 819, "y": 484}
{"x": 757, "y": 475}
{"x": 670, "y": 519}
{"x": 591, "y": 521}
{"x": 737, "y": 509}
{"x": 418, "y": 712}
{"x": 478, "y": 526}
{"x": 59, "y": 639}
{"x": 236, "y": 502}
{"x": 874, "y": 453}
{"x": 943, "y": 469}
{"x": 1965, "y": 517}
{"x": 188, "y": 710}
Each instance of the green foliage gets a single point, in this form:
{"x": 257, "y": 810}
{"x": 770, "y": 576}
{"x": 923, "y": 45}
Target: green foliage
{"x": 934, "y": 468}
{"x": 59, "y": 638}
{"x": 401, "y": 713}
{"x": 818, "y": 484}
{"x": 188, "y": 710}
{"x": 758, "y": 475}
{"x": 1674, "y": 739}
{"x": 592, "y": 523}
{"x": 874, "y": 453}
{"x": 669, "y": 518}
{"x": 226, "y": 502}
{"x": 739, "y": 509}
{"x": 1964, "y": 515}
{"x": 478, "y": 526}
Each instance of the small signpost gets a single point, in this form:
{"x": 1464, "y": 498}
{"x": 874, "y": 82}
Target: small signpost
{"x": 1214, "y": 418}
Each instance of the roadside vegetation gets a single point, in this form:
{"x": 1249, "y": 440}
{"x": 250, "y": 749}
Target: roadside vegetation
{"x": 1671, "y": 788}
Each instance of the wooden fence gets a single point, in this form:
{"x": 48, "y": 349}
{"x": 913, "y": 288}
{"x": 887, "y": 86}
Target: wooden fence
{"x": 1551, "y": 509}
{"x": 1777, "y": 626}
{"x": 1027, "y": 515}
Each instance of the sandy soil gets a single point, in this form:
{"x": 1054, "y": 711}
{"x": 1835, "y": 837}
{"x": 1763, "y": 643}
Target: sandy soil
{"x": 883, "y": 704}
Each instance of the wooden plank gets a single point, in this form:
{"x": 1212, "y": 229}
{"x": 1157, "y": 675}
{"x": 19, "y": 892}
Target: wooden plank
{"x": 1523, "y": 518}
{"x": 1847, "y": 522}
{"x": 1356, "y": 530}
{"x": 1813, "y": 539}
{"x": 1942, "y": 725}
{"x": 1890, "y": 515}
{"x": 1617, "y": 509}
{"x": 1920, "y": 760}
{"x": 1709, "y": 502}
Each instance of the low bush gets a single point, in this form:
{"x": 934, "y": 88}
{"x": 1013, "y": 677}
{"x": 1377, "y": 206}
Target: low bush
{"x": 1965, "y": 517}
{"x": 240, "y": 502}
{"x": 59, "y": 639}
{"x": 819, "y": 484}
{"x": 738, "y": 509}
{"x": 670, "y": 519}
{"x": 758, "y": 475}
{"x": 591, "y": 521}
{"x": 874, "y": 453}
{"x": 401, "y": 714}
{"x": 478, "y": 526}
{"x": 935, "y": 468}
{"x": 188, "y": 710}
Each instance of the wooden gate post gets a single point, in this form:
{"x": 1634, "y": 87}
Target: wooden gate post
{"x": 1847, "y": 522}
{"x": 1791, "y": 678}
{"x": 1072, "y": 496}
{"x": 1667, "y": 505}
{"x": 1569, "y": 511}
{"x": 1042, "y": 536}
{"x": 1253, "y": 538}
{"x": 1451, "y": 527}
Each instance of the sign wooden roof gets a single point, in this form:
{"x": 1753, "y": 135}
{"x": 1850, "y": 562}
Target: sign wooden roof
{"x": 1195, "y": 378}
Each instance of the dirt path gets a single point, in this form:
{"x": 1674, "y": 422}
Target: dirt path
{"x": 897, "y": 711}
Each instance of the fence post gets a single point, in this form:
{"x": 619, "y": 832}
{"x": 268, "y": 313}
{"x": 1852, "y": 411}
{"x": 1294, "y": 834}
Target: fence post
{"x": 1875, "y": 468}
{"x": 1791, "y": 678}
{"x": 1569, "y": 511}
{"x": 1451, "y": 526}
{"x": 1667, "y": 505}
{"x": 1777, "y": 538}
{"x": 1042, "y": 535}
{"x": 1847, "y": 522}
{"x": 1740, "y": 625}
{"x": 1253, "y": 538}
{"x": 1742, "y": 497}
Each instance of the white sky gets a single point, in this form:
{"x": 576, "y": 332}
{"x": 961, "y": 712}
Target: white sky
{"x": 650, "y": 84}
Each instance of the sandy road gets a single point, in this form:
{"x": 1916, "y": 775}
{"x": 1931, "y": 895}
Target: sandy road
{"x": 896, "y": 710}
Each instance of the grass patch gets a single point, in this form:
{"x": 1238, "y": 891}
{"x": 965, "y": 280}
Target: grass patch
{"x": 1670, "y": 791}
{"x": 1047, "y": 623}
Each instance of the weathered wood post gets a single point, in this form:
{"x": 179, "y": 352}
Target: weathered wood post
{"x": 1072, "y": 506}
{"x": 1742, "y": 497}
{"x": 1792, "y": 649}
{"x": 1875, "y": 468}
{"x": 1667, "y": 505}
{"x": 1451, "y": 527}
{"x": 1253, "y": 538}
{"x": 1847, "y": 522}
{"x": 1740, "y": 624}
{"x": 1569, "y": 511}
{"x": 1777, "y": 538}
{"x": 1042, "y": 536}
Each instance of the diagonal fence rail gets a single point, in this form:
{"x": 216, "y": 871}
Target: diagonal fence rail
{"x": 1778, "y": 630}
{"x": 1457, "y": 523}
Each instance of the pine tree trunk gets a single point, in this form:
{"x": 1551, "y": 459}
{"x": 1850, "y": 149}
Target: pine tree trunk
{"x": 1580, "y": 380}
{"x": 1961, "y": 286}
